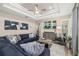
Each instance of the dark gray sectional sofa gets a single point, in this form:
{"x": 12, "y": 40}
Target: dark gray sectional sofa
{"x": 9, "y": 49}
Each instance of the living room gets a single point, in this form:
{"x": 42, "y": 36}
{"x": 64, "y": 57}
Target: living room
{"x": 48, "y": 25}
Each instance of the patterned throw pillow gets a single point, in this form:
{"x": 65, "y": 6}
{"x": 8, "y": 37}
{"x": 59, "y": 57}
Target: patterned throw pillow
{"x": 12, "y": 38}
{"x": 18, "y": 37}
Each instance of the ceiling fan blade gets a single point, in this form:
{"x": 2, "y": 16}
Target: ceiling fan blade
{"x": 36, "y": 7}
{"x": 30, "y": 10}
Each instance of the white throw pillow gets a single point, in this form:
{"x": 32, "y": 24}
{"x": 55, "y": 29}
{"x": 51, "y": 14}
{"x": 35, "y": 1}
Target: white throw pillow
{"x": 31, "y": 35}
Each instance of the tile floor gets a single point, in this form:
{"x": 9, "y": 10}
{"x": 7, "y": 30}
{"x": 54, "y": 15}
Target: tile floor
{"x": 58, "y": 50}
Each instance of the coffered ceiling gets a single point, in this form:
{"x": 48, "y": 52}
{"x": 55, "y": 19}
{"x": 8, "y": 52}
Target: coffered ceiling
{"x": 39, "y": 11}
{"x": 44, "y": 9}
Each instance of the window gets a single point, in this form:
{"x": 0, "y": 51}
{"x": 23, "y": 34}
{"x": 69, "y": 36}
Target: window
{"x": 50, "y": 25}
{"x": 23, "y": 26}
{"x": 10, "y": 25}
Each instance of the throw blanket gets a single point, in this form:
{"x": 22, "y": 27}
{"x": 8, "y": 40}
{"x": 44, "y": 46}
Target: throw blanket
{"x": 33, "y": 48}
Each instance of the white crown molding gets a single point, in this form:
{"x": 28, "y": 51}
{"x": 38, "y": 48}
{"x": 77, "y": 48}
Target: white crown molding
{"x": 18, "y": 8}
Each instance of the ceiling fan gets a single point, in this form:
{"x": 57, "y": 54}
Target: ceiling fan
{"x": 36, "y": 9}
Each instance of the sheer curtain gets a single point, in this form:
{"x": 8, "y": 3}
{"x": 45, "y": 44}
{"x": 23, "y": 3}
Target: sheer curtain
{"x": 75, "y": 30}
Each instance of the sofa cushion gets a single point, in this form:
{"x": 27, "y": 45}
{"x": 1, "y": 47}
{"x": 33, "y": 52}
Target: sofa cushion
{"x": 10, "y": 50}
{"x": 3, "y": 42}
{"x": 4, "y": 39}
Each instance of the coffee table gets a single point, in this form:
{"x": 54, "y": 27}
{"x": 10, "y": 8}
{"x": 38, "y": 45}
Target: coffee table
{"x": 47, "y": 42}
